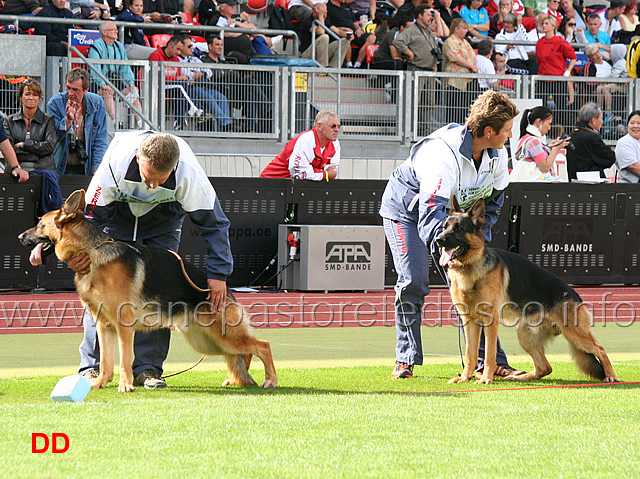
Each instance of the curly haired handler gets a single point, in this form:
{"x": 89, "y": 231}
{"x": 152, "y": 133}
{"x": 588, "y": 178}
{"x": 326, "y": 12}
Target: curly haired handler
{"x": 468, "y": 161}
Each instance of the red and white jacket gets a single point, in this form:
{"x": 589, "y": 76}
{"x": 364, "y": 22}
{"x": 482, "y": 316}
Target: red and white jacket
{"x": 302, "y": 158}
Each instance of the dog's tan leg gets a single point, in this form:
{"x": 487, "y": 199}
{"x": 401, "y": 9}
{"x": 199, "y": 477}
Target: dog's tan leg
{"x": 107, "y": 341}
{"x": 238, "y": 374}
{"x": 584, "y": 343}
{"x": 490, "y": 350}
{"x": 472, "y": 336}
{"x": 533, "y": 341}
{"x": 125, "y": 340}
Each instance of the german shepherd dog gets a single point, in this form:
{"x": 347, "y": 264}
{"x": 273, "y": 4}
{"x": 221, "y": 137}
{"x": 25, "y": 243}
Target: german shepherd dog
{"x": 132, "y": 288}
{"x": 490, "y": 285}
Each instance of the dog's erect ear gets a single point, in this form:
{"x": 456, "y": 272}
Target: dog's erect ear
{"x": 455, "y": 207}
{"x": 476, "y": 212}
{"x": 72, "y": 207}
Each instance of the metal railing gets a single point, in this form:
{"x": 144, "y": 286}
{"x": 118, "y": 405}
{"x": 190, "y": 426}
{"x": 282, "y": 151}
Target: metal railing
{"x": 177, "y": 28}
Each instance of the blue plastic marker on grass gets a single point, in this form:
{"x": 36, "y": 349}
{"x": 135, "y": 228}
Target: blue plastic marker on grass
{"x": 71, "y": 389}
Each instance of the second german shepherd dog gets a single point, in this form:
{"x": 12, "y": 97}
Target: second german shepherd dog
{"x": 133, "y": 288}
{"x": 489, "y": 286}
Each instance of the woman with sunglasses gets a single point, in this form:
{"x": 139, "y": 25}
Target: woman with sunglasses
{"x": 569, "y": 31}
{"x": 32, "y": 132}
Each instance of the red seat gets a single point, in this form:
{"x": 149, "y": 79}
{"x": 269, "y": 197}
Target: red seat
{"x": 256, "y": 6}
{"x": 160, "y": 40}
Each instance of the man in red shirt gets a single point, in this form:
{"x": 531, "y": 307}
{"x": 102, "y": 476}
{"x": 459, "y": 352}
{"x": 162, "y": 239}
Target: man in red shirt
{"x": 175, "y": 81}
{"x": 312, "y": 155}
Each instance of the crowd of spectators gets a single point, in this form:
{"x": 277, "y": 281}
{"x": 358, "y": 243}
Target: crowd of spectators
{"x": 454, "y": 36}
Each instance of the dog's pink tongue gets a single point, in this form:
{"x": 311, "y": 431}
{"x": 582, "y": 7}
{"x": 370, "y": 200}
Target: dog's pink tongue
{"x": 445, "y": 256}
{"x": 36, "y": 255}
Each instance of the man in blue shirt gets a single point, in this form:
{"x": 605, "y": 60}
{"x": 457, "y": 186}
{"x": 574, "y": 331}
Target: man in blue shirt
{"x": 597, "y": 36}
{"x": 81, "y": 123}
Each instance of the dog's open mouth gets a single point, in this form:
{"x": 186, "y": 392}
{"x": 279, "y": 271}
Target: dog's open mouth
{"x": 40, "y": 252}
{"x": 447, "y": 255}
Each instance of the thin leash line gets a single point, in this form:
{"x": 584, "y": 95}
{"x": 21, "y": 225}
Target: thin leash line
{"x": 557, "y": 386}
{"x": 197, "y": 288}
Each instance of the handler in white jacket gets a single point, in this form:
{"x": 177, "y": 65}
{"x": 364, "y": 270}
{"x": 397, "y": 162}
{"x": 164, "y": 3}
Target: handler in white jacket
{"x": 467, "y": 161}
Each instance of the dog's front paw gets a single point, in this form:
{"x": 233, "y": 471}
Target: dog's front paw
{"x": 484, "y": 380}
{"x": 458, "y": 379}
{"x": 125, "y": 387}
{"x": 269, "y": 383}
{"x": 99, "y": 382}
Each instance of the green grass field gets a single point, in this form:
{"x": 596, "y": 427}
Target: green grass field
{"x": 336, "y": 413}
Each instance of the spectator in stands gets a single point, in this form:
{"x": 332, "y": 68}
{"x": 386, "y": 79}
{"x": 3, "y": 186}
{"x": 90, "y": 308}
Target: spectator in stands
{"x": 56, "y": 33}
{"x": 23, "y": 7}
{"x": 10, "y": 160}
{"x": 628, "y": 18}
{"x": 408, "y": 9}
{"x": 552, "y": 54}
{"x": 176, "y": 82}
{"x": 447, "y": 13}
{"x": 154, "y": 11}
{"x": 568, "y": 9}
{"x": 238, "y": 41}
{"x": 551, "y": 10}
{"x": 341, "y": 16}
{"x": 595, "y": 35}
{"x": 387, "y": 56}
{"x": 610, "y": 18}
{"x": 601, "y": 68}
{"x": 240, "y": 86}
{"x": 459, "y": 57}
{"x": 327, "y": 53}
{"x": 521, "y": 59}
{"x": 476, "y": 17}
{"x": 590, "y": 152}
{"x": 537, "y": 33}
{"x": 90, "y": 10}
{"x": 419, "y": 46}
{"x": 107, "y": 47}
{"x": 302, "y": 9}
{"x": 134, "y": 41}
{"x": 312, "y": 155}
{"x": 81, "y": 124}
{"x": 505, "y": 7}
{"x": 534, "y": 7}
{"x": 569, "y": 30}
{"x": 364, "y": 8}
{"x": 208, "y": 13}
{"x": 534, "y": 126}
{"x": 32, "y": 132}
{"x": 199, "y": 87}
{"x": 500, "y": 64}
{"x": 485, "y": 65}
{"x": 628, "y": 151}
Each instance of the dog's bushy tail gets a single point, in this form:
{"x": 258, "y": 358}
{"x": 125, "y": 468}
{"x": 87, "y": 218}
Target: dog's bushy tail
{"x": 237, "y": 368}
{"x": 587, "y": 363}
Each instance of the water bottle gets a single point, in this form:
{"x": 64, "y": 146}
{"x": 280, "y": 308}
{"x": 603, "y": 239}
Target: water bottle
{"x": 551, "y": 105}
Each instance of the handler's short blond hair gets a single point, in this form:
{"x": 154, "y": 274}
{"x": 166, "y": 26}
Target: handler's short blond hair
{"x": 160, "y": 150}
{"x": 492, "y": 109}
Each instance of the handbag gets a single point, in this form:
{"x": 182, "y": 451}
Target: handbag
{"x": 526, "y": 171}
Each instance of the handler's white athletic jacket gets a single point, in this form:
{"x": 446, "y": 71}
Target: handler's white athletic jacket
{"x": 441, "y": 165}
{"x": 122, "y": 205}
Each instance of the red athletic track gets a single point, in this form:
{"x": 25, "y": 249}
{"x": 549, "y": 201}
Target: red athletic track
{"x": 62, "y": 312}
